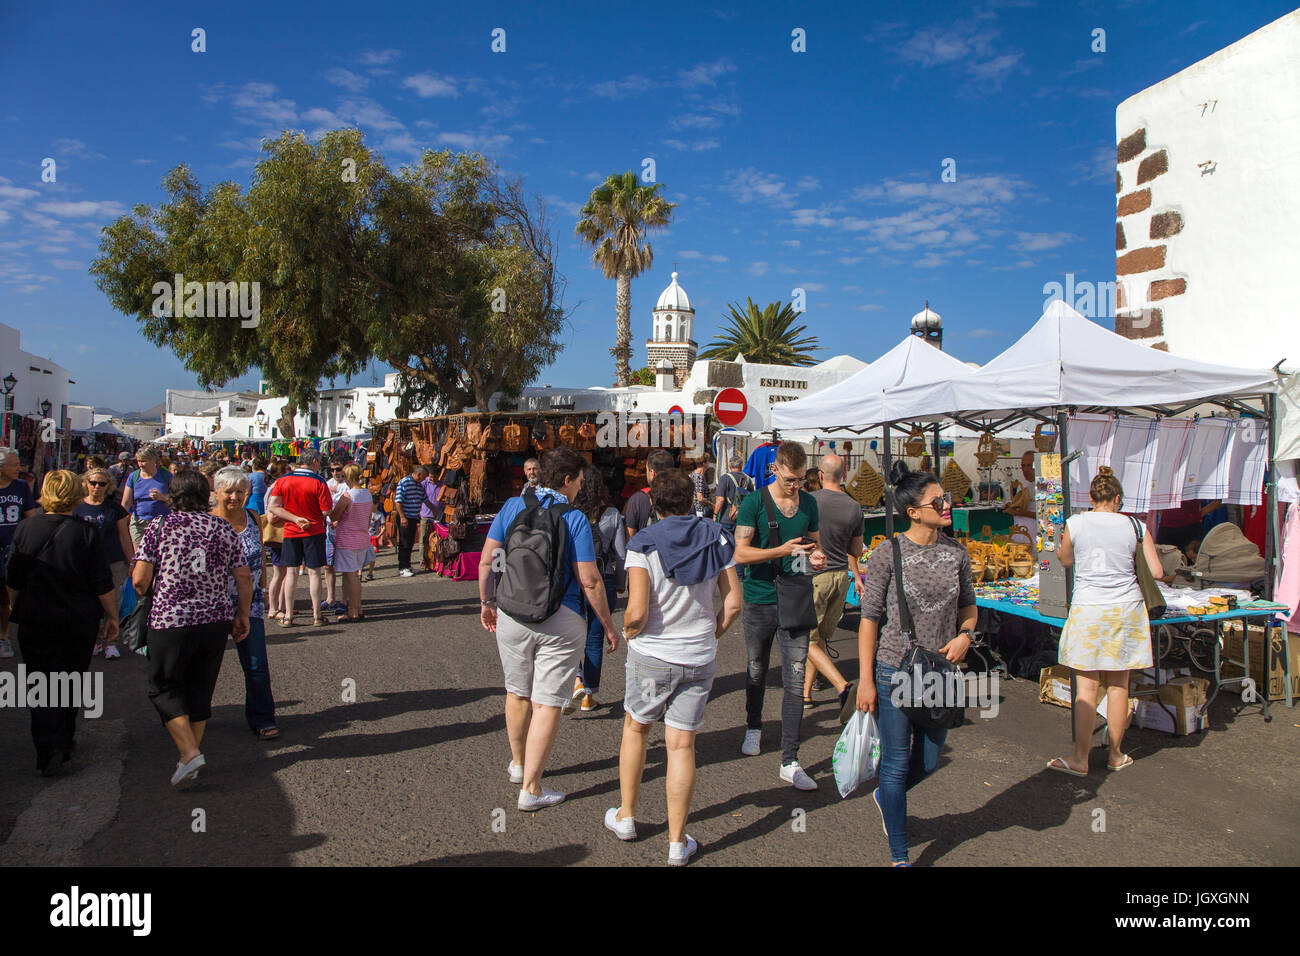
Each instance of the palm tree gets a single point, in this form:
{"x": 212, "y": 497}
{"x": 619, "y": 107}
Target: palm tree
{"x": 764, "y": 337}
{"x": 614, "y": 222}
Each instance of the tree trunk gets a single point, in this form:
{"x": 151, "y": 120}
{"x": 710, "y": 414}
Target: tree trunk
{"x": 622, "y": 351}
{"x": 285, "y": 423}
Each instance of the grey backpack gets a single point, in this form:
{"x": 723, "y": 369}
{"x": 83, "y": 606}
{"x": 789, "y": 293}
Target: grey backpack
{"x": 536, "y": 575}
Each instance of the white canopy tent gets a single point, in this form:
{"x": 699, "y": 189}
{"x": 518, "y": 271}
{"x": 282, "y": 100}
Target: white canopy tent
{"x": 1064, "y": 361}
{"x": 225, "y": 434}
{"x": 859, "y": 400}
{"x": 106, "y": 428}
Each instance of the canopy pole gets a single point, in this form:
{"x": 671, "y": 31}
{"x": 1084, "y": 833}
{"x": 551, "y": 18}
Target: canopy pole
{"x": 1063, "y": 444}
{"x": 935, "y": 461}
{"x": 886, "y": 464}
{"x": 1273, "y": 535}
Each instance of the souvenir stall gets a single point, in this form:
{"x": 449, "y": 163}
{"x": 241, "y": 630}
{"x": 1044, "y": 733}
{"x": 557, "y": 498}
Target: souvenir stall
{"x": 478, "y": 460}
{"x": 1110, "y": 402}
{"x": 105, "y": 440}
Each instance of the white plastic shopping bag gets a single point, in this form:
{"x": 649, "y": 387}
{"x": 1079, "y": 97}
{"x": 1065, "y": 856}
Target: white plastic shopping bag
{"x": 857, "y": 752}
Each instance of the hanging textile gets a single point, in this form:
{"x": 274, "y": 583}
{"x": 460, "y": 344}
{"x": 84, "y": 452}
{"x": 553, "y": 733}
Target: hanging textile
{"x": 1133, "y": 459}
{"x": 1247, "y": 461}
{"x": 1288, "y": 568}
{"x": 759, "y": 466}
{"x": 1093, "y": 435}
{"x": 1207, "y": 460}
{"x": 1173, "y": 441}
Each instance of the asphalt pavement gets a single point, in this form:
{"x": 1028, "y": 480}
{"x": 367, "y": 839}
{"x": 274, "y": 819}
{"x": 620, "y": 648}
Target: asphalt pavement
{"x": 414, "y": 771}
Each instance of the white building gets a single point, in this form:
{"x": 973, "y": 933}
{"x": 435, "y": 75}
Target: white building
{"x": 36, "y": 380}
{"x": 335, "y": 413}
{"x": 1207, "y": 228}
{"x": 673, "y": 331}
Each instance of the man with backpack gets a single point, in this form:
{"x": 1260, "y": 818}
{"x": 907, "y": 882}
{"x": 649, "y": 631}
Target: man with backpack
{"x": 543, "y": 550}
{"x": 638, "y": 513}
{"x": 731, "y": 491}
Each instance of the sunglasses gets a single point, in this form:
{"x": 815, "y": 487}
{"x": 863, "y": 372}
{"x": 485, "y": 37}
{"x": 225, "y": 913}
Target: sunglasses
{"x": 340, "y": 468}
{"x": 789, "y": 481}
{"x": 940, "y": 504}
{"x": 98, "y": 484}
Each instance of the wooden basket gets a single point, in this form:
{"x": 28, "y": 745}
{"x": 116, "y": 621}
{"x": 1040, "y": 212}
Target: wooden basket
{"x": 1044, "y": 442}
{"x": 866, "y": 486}
{"x": 986, "y": 452}
{"x": 955, "y": 481}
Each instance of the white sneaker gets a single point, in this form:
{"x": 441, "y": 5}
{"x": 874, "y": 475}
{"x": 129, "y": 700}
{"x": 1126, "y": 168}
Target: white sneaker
{"x": 793, "y": 773}
{"x": 623, "y": 829}
{"x": 6, "y": 649}
{"x": 516, "y": 772}
{"x": 111, "y": 652}
{"x": 679, "y": 853}
{"x": 406, "y": 573}
{"x": 549, "y": 798}
{"x": 187, "y": 773}
{"x": 750, "y": 747}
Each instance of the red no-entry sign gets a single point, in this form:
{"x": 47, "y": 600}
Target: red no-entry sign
{"x": 730, "y": 406}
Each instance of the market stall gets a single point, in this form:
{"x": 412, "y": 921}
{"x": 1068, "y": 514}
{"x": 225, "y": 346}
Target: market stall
{"x": 1065, "y": 367}
{"x": 477, "y": 459}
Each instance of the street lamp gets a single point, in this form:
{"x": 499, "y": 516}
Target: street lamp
{"x": 260, "y": 418}
{"x": 9, "y": 383}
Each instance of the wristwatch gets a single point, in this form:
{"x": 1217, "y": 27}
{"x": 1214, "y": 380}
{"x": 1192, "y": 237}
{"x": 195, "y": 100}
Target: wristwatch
{"x": 968, "y": 632}
{"x": 483, "y": 603}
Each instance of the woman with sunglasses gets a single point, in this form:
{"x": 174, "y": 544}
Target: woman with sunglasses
{"x": 114, "y": 524}
{"x": 941, "y": 597}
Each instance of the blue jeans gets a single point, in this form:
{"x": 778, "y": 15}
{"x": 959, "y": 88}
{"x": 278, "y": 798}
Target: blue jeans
{"x": 259, "y": 705}
{"x": 908, "y": 755}
{"x": 762, "y": 627}
{"x": 589, "y": 670}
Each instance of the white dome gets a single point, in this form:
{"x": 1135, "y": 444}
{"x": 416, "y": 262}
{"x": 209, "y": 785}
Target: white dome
{"x": 674, "y": 297}
{"x": 926, "y": 319}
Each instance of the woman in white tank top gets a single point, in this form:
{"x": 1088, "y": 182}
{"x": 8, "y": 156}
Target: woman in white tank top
{"x": 1107, "y": 633}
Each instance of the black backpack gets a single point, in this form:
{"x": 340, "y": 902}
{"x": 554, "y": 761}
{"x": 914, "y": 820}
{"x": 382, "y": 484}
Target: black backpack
{"x": 535, "y": 578}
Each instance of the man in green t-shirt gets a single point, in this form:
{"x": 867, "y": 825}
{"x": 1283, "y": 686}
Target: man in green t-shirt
{"x": 795, "y": 551}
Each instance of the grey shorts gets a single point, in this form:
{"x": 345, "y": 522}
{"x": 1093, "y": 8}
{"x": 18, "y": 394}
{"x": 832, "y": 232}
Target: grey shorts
{"x": 659, "y": 690}
{"x": 540, "y": 661}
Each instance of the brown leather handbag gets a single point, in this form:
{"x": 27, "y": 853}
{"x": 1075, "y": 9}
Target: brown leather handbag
{"x": 543, "y": 436}
{"x": 587, "y": 436}
{"x": 514, "y": 438}
{"x": 568, "y": 434}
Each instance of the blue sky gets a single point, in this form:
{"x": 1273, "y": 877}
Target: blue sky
{"x": 819, "y": 170}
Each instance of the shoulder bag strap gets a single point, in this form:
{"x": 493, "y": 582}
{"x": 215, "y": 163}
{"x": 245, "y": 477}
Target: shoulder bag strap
{"x": 904, "y": 611}
{"x": 773, "y": 530}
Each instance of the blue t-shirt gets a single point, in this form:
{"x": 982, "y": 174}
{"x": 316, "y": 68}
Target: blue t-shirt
{"x": 15, "y": 501}
{"x": 578, "y": 547}
{"x": 257, "y": 491}
{"x": 759, "y": 466}
{"x": 145, "y": 507}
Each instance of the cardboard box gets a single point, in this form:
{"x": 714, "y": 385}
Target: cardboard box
{"x": 1263, "y": 659}
{"x": 1151, "y": 716}
{"x": 1054, "y": 685}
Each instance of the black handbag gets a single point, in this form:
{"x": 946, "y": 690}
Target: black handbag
{"x": 919, "y": 664}
{"x": 795, "y": 609}
{"x": 134, "y": 632}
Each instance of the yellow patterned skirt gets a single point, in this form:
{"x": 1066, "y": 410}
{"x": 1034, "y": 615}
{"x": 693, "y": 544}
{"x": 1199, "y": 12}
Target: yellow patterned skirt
{"x": 1106, "y": 637}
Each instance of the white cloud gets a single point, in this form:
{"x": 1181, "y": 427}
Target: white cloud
{"x": 75, "y": 148}
{"x": 86, "y": 209}
{"x": 869, "y": 308}
{"x": 813, "y": 286}
{"x": 257, "y": 103}
{"x": 694, "y": 121}
{"x": 706, "y": 74}
{"x": 849, "y": 260}
{"x": 852, "y": 288}
{"x": 983, "y": 333}
{"x": 429, "y": 84}
{"x": 792, "y": 243}
{"x": 474, "y": 141}
{"x": 929, "y": 261}
{"x": 67, "y": 264}
{"x": 365, "y": 112}
{"x": 692, "y": 254}
{"x": 749, "y": 184}
{"x": 1040, "y": 241}
{"x": 695, "y": 147}
{"x": 9, "y": 191}
{"x": 759, "y": 268}
{"x": 617, "y": 89}
{"x": 808, "y": 182}
{"x": 378, "y": 57}
{"x": 354, "y": 82}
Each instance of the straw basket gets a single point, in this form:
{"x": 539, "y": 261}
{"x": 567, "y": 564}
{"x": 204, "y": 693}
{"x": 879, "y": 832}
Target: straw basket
{"x": 986, "y": 452}
{"x": 914, "y": 447}
{"x": 955, "y": 481}
{"x": 866, "y": 486}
